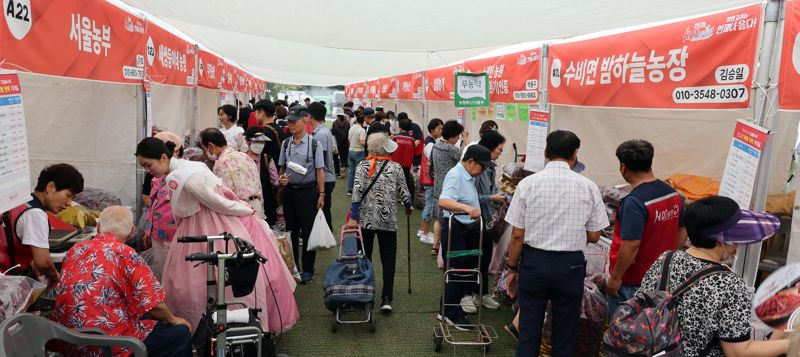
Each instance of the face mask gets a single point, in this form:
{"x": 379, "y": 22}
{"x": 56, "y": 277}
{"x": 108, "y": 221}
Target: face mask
{"x": 257, "y": 148}
{"x": 210, "y": 156}
{"x": 726, "y": 255}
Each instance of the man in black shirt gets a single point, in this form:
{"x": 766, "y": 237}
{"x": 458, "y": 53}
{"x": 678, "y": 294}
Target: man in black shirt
{"x": 265, "y": 113}
{"x": 244, "y": 114}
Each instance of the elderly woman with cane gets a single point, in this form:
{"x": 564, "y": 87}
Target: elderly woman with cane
{"x": 378, "y": 184}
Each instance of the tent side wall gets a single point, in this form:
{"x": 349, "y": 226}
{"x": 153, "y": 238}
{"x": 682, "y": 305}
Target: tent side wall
{"x": 207, "y": 104}
{"x": 172, "y": 108}
{"x": 89, "y": 124}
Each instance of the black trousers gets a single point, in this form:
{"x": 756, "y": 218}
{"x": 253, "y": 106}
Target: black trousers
{"x": 461, "y": 240}
{"x": 344, "y": 154}
{"x": 388, "y": 253}
{"x": 556, "y": 277}
{"x": 337, "y": 165}
{"x": 299, "y": 210}
{"x": 326, "y": 208}
{"x": 169, "y": 341}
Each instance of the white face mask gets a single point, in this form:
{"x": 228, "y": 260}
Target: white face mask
{"x": 257, "y": 148}
{"x": 211, "y": 156}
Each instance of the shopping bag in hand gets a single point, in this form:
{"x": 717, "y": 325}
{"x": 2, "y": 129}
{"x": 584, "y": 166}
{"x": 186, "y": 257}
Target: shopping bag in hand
{"x": 321, "y": 235}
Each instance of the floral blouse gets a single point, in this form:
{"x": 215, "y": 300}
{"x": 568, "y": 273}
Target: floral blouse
{"x": 160, "y": 223}
{"x": 239, "y": 173}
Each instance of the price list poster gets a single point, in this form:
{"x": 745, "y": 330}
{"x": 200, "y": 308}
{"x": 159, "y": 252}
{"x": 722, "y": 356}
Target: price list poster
{"x": 14, "y": 167}
{"x": 742, "y": 163}
{"x": 537, "y": 140}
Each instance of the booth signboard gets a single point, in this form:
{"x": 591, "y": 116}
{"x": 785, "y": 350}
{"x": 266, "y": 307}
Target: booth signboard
{"x": 471, "y": 90}
{"x": 78, "y": 39}
{"x": 440, "y": 83}
{"x": 15, "y": 181}
{"x": 170, "y": 59}
{"x": 410, "y": 86}
{"x": 700, "y": 63}
{"x": 388, "y": 87}
{"x": 789, "y": 82}
{"x": 228, "y": 82}
{"x": 513, "y": 77}
{"x": 741, "y": 165}
{"x": 538, "y": 126}
{"x": 372, "y": 89}
{"x": 209, "y": 69}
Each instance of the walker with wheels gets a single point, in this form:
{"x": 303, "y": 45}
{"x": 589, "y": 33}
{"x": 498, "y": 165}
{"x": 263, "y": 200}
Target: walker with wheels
{"x": 221, "y": 338}
{"x": 476, "y": 334}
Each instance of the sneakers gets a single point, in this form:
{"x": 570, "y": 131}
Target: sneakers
{"x": 307, "y": 278}
{"x": 469, "y": 304}
{"x": 460, "y": 324}
{"x": 349, "y": 193}
{"x": 426, "y": 238}
{"x": 386, "y": 305}
{"x": 419, "y": 233}
{"x": 490, "y": 303}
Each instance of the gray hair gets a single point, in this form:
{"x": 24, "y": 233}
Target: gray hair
{"x": 376, "y": 142}
{"x": 117, "y": 221}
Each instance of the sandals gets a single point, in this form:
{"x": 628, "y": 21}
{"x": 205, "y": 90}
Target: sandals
{"x": 435, "y": 251}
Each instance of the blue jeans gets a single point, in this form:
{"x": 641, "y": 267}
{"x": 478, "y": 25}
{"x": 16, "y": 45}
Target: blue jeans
{"x": 353, "y": 160}
{"x": 430, "y": 201}
{"x": 625, "y": 293}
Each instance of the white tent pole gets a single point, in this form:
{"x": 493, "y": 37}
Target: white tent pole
{"x": 195, "y": 105}
{"x": 141, "y": 133}
{"x": 544, "y": 79}
{"x": 764, "y": 114}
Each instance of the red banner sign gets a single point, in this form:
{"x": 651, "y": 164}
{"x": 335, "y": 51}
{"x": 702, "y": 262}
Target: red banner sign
{"x": 210, "y": 69}
{"x": 372, "y": 89}
{"x": 360, "y": 90}
{"x": 228, "y": 74}
{"x": 348, "y": 91}
{"x": 78, "y": 38}
{"x": 701, "y": 63}
{"x": 513, "y": 77}
{"x": 789, "y": 83}
{"x": 388, "y": 87}
{"x": 170, "y": 59}
{"x": 410, "y": 86}
{"x": 440, "y": 83}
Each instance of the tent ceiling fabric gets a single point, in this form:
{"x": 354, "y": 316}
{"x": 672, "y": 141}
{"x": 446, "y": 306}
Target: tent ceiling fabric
{"x": 323, "y": 42}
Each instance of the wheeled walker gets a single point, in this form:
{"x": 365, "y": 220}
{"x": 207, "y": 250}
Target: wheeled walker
{"x": 221, "y": 338}
{"x": 350, "y": 283}
{"x": 476, "y": 334}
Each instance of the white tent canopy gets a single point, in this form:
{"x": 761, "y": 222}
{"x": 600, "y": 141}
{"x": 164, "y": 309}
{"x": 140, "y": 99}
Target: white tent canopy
{"x": 329, "y": 43}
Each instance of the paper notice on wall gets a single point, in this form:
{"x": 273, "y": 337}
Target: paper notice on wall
{"x": 500, "y": 111}
{"x": 15, "y": 182}
{"x": 148, "y": 102}
{"x": 537, "y": 140}
{"x": 741, "y": 165}
{"x": 511, "y": 112}
{"x": 460, "y": 116}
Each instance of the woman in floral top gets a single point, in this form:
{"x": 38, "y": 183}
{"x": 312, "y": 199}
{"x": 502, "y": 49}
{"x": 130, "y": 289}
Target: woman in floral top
{"x": 376, "y": 209}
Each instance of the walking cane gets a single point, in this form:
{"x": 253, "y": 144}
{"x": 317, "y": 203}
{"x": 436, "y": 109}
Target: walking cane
{"x": 408, "y": 247}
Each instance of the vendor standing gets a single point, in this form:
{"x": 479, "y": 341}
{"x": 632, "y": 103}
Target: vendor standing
{"x": 28, "y": 227}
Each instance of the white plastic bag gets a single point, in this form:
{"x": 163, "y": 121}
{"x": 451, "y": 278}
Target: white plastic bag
{"x": 15, "y": 293}
{"x": 321, "y": 235}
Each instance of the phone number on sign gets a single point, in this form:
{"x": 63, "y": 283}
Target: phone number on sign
{"x": 736, "y": 93}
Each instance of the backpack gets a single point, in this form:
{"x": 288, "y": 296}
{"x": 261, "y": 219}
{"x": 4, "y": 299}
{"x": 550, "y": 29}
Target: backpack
{"x": 647, "y": 324}
{"x": 314, "y": 143}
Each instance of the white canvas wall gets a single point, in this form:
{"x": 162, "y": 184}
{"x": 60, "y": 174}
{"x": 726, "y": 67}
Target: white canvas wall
{"x": 91, "y": 125}
{"x": 207, "y": 104}
{"x": 172, "y": 108}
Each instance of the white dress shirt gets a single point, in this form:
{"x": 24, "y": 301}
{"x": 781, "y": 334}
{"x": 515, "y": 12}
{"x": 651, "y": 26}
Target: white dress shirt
{"x": 556, "y": 207}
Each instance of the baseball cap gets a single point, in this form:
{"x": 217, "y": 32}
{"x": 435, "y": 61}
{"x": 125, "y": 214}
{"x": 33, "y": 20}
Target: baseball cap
{"x": 297, "y": 112}
{"x": 368, "y": 112}
{"x": 744, "y": 227}
{"x": 390, "y": 146}
{"x": 480, "y": 155}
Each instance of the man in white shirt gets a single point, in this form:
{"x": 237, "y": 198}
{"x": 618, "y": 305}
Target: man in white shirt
{"x": 554, "y": 213}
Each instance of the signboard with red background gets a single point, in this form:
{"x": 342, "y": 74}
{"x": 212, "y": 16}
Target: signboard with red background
{"x": 410, "y": 86}
{"x": 169, "y": 59}
{"x": 513, "y": 77}
{"x": 440, "y": 82}
{"x": 701, "y": 63}
{"x": 789, "y": 83}
{"x": 210, "y": 68}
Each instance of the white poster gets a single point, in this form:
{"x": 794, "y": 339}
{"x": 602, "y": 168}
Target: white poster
{"x": 537, "y": 140}
{"x": 148, "y": 102}
{"x": 15, "y": 181}
{"x": 741, "y": 165}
